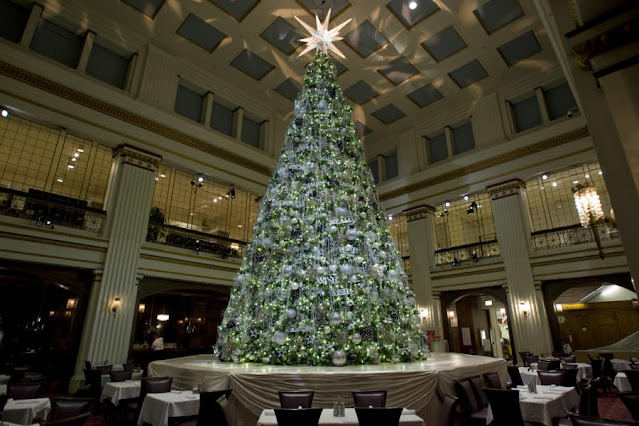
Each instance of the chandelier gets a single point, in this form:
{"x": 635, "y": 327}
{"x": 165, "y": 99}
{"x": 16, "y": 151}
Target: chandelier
{"x": 590, "y": 211}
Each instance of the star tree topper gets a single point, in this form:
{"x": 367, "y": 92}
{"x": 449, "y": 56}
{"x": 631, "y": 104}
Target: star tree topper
{"x": 322, "y": 37}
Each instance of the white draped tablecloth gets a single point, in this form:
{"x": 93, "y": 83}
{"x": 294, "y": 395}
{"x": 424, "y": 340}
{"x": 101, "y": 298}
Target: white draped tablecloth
{"x": 620, "y": 364}
{"x": 158, "y": 407}
{"x": 23, "y": 411}
{"x": 549, "y": 402}
{"x": 622, "y": 383}
{"x": 255, "y": 386}
{"x": 584, "y": 370}
{"x": 408, "y": 418}
{"x": 4, "y": 379}
{"x": 3, "y": 389}
{"x": 117, "y": 391}
{"x": 106, "y": 378}
{"x": 528, "y": 375}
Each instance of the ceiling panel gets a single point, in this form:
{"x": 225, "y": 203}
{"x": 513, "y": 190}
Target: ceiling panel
{"x": 320, "y": 7}
{"x": 398, "y": 70}
{"x": 148, "y": 7}
{"x": 236, "y": 8}
{"x": 389, "y": 114}
{"x": 425, "y": 95}
{"x": 444, "y": 44}
{"x": 468, "y": 74}
{"x": 498, "y": 13}
{"x": 410, "y": 17}
{"x": 361, "y": 92}
{"x": 282, "y": 35}
{"x": 199, "y": 32}
{"x": 361, "y": 129}
{"x": 290, "y": 88}
{"x": 365, "y": 39}
{"x": 252, "y": 64}
{"x": 520, "y": 48}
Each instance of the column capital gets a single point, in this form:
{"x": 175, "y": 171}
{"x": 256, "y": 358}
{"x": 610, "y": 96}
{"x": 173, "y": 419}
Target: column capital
{"x": 137, "y": 157}
{"x": 419, "y": 212}
{"x": 505, "y": 188}
{"x": 437, "y": 294}
{"x": 97, "y": 274}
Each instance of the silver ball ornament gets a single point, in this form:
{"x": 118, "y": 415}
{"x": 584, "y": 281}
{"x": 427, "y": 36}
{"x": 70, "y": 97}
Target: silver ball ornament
{"x": 295, "y": 285}
{"x": 279, "y": 337}
{"x": 327, "y": 329}
{"x": 336, "y": 318}
{"x": 287, "y": 270}
{"x": 356, "y": 338}
{"x": 351, "y": 233}
{"x": 339, "y": 358}
{"x": 291, "y": 313}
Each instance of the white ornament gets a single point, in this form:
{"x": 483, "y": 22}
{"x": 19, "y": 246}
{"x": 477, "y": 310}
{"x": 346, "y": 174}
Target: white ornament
{"x": 359, "y": 259}
{"x": 341, "y": 211}
{"x": 348, "y": 247}
{"x": 327, "y": 329}
{"x": 346, "y": 269}
{"x": 322, "y": 37}
{"x": 294, "y": 221}
{"x": 333, "y": 268}
{"x": 279, "y": 337}
{"x": 362, "y": 215}
{"x": 351, "y": 234}
{"x": 336, "y": 318}
{"x": 291, "y": 313}
{"x": 295, "y": 285}
{"x": 287, "y": 270}
{"x": 357, "y": 338}
{"x": 339, "y": 358}
{"x": 393, "y": 273}
{"x": 320, "y": 270}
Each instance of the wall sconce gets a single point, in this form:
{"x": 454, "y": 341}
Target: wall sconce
{"x": 423, "y": 314}
{"x": 524, "y": 307}
{"x": 141, "y": 308}
{"x": 488, "y": 302}
{"x": 115, "y": 305}
{"x": 559, "y": 307}
{"x": 502, "y": 311}
{"x": 451, "y": 318}
{"x": 635, "y": 303}
{"x": 163, "y": 317}
{"x": 71, "y": 303}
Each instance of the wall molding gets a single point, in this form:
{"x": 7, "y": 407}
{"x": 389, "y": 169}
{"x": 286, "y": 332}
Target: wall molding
{"x": 41, "y": 240}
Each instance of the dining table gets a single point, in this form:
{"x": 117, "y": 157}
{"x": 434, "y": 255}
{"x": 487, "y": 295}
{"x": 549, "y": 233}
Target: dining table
{"x": 584, "y": 370}
{"x": 4, "y": 379}
{"x": 3, "y": 389}
{"x": 528, "y": 374}
{"x": 542, "y": 407}
{"x": 23, "y": 411}
{"x": 407, "y": 418}
{"x": 620, "y": 364}
{"x": 118, "y": 391}
{"x": 106, "y": 378}
{"x": 621, "y": 382}
{"x": 157, "y": 408}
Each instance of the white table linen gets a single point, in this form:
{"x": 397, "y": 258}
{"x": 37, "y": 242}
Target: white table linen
{"x": 106, "y": 378}
{"x": 117, "y": 391}
{"x": 3, "y": 389}
{"x": 23, "y": 411}
{"x": 158, "y": 407}
{"x": 527, "y": 375}
{"x": 584, "y": 370}
{"x": 4, "y": 379}
{"x": 408, "y": 418}
{"x": 620, "y": 364}
{"x": 622, "y": 383}
{"x": 549, "y": 402}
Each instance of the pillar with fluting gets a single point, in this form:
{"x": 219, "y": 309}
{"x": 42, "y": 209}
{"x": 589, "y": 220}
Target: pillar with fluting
{"x": 528, "y": 320}
{"x": 112, "y": 305}
{"x": 421, "y": 237}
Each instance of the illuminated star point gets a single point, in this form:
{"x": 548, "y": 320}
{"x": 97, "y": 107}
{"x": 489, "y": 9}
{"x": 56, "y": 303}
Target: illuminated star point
{"x": 321, "y": 37}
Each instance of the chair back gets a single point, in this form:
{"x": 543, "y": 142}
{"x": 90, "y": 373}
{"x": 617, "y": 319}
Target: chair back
{"x": 584, "y": 400}
{"x": 531, "y": 359}
{"x": 367, "y": 399}
{"x": 449, "y": 407}
{"x": 594, "y": 394}
{"x": 298, "y": 416}
{"x": 570, "y": 377}
{"x": 633, "y": 378}
{"x": 155, "y": 385}
{"x": 120, "y": 376}
{"x": 87, "y": 365}
{"x": 505, "y": 407}
{"x": 552, "y": 377}
{"x": 608, "y": 355}
{"x": 482, "y": 401}
{"x": 590, "y": 358}
{"x": 634, "y": 367}
{"x": 596, "y": 367}
{"x": 543, "y": 365}
{"x": 213, "y": 408}
{"x": 607, "y": 370}
{"x": 106, "y": 369}
{"x": 93, "y": 378}
{"x": 296, "y": 399}
{"x": 64, "y": 408}
{"x": 515, "y": 377}
{"x": 594, "y": 421}
{"x": 568, "y": 366}
{"x": 467, "y": 396}
{"x": 130, "y": 365}
{"x": 78, "y": 420}
{"x": 492, "y": 380}
{"x": 23, "y": 390}
{"x": 375, "y": 416}
{"x": 523, "y": 356}
{"x": 568, "y": 358}
{"x": 631, "y": 400}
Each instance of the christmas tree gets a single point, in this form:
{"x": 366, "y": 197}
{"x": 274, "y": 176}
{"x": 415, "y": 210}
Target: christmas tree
{"x": 321, "y": 282}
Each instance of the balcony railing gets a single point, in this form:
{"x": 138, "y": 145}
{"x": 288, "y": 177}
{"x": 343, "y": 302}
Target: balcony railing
{"x": 572, "y": 235}
{"x": 50, "y": 210}
{"x": 467, "y": 253}
{"x": 199, "y": 242}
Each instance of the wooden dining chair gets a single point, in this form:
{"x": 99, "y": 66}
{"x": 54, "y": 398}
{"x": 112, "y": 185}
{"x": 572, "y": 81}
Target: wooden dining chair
{"x": 296, "y": 399}
{"x": 568, "y": 358}
{"x": 214, "y": 410}
{"x": 298, "y": 416}
{"x": 552, "y": 377}
{"x": 449, "y": 408}
{"x": 366, "y": 399}
{"x": 482, "y": 401}
{"x": 633, "y": 378}
{"x": 376, "y": 416}
{"x": 470, "y": 407}
{"x": 64, "y": 408}
{"x": 504, "y": 404}
{"x": 23, "y": 390}
{"x": 631, "y": 400}
{"x": 515, "y": 377}
{"x": 121, "y": 376}
{"x": 570, "y": 377}
{"x": 492, "y": 380}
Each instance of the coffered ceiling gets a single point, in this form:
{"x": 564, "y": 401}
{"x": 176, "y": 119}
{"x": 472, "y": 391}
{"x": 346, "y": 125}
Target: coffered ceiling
{"x": 402, "y": 65}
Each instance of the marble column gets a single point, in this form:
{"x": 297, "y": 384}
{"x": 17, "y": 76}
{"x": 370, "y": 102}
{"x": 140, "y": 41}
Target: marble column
{"x": 528, "y": 320}
{"x": 421, "y": 238}
{"x": 112, "y": 305}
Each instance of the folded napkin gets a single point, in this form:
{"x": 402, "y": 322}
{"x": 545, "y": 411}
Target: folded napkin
{"x": 176, "y": 391}
{"x": 24, "y": 401}
{"x": 407, "y": 412}
{"x": 269, "y": 412}
{"x": 547, "y": 397}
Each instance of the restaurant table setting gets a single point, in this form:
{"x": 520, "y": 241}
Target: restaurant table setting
{"x": 106, "y": 378}
{"x": 118, "y": 391}
{"x": 620, "y": 364}
{"x": 408, "y": 418}
{"x": 23, "y": 411}
{"x": 158, "y": 407}
{"x": 528, "y": 374}
{"x": 622, "y": 383}
{"x": 549, "y": 402}
{"x": 584, "y": 370}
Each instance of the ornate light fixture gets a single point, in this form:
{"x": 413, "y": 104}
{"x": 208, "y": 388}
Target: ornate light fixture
{"x": 524, "y": 307}
{"x": 116, "y": 303}
{"x": 590, "y": 211}
{"x": 321, "y": 37}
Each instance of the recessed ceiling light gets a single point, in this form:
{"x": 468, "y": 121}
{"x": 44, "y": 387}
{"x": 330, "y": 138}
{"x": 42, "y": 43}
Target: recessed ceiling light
{"x": 575, "y": 182}
{"x": 465, "y": 197}
{"x": 73, "y": 159}
{"x": 447, "y": 204}
{"x": 544, "y": 177}
{"x": 162, "y": 176}
{"x": 80, "y": 150}
{"x": 554, "y": 184}
{"x": 5, "y": 113}
{"x": 215, "y": 200}
{"x": 77, "y": 154}
{"x": 587, "y": 176}
{"x": 71, "y": 166}
{"x": 390, "y": 217}
{"x": 600, "y": 172}
{"x": 412, "y": 5}
{"x": 239, "y": 226}
{"x": 60, "y": 180}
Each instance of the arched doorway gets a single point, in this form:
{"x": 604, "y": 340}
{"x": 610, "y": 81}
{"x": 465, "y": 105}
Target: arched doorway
{"x": 591, "y": 312}
{"x": 476, "y": 322}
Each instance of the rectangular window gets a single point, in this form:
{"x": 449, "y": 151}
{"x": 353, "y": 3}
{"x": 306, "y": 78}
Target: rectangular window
{"x": 188, "y": 104}
{"x": 391, "y": 166}
{"x": 57, "y": 43}
{"x": 526, "y": 114}
{"x": 222, "y": 119}
{"x": 13, "y": 20}
{"x": 437, "y": 150}
{"x": 374, "y": 170}
{"x": 463, "y": 139}
{"x": 559, "y": 100}
{"x": 107, "y": 66}
{"x": 251, "y": 132}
